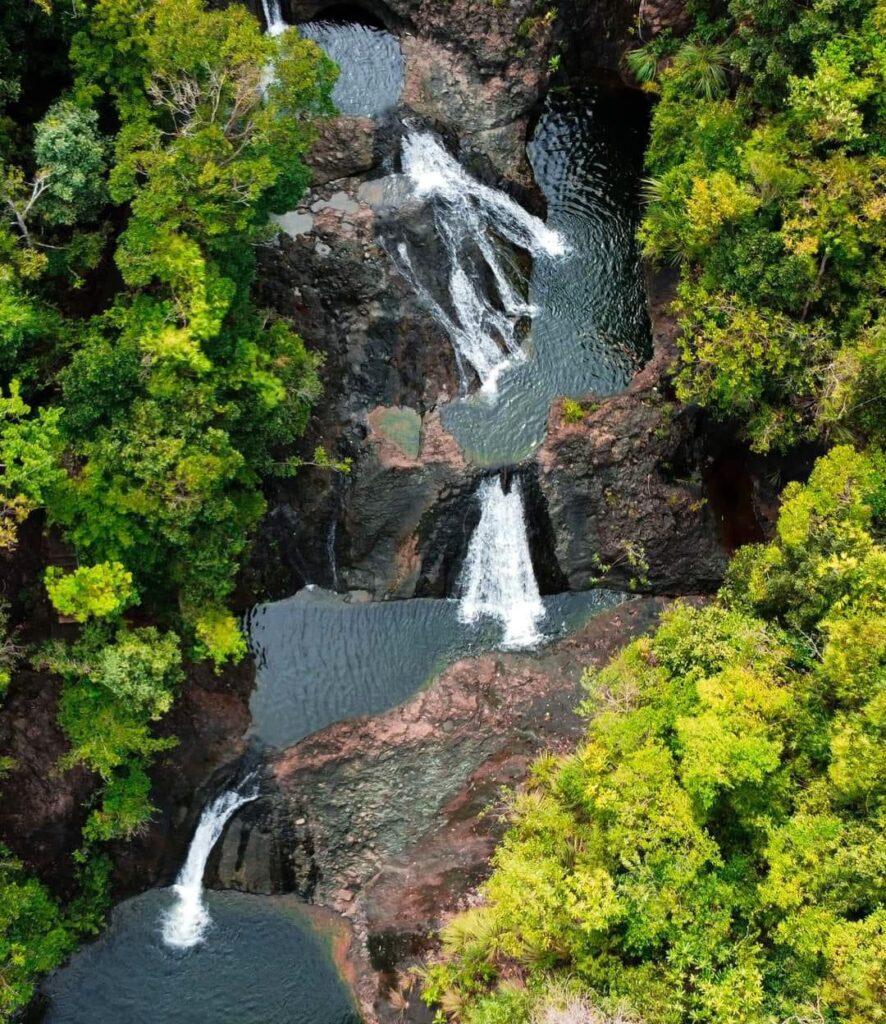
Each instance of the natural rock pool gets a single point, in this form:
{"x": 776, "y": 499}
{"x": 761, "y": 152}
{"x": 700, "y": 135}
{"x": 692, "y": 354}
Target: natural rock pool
{"x": 262, "y": 963}
{"x": 589, "y": 330}
{"x": 370, "y": 63}
{"x": 321, "y": 658}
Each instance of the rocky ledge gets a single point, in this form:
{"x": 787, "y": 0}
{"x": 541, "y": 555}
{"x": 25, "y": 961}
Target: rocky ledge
{"x": 390, "y": 820}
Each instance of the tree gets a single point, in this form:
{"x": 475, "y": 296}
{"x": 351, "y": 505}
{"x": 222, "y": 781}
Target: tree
{"x": 90, "y": 591}
{"x": 714, "y": 850}
{"x": 767, "y": 187}
{"x": 33, "y": 934}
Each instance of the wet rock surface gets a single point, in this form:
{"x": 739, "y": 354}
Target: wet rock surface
{"x": 624, "y": 486}
{"x": 383, "y": 819}
{"x": 41, "y": 804}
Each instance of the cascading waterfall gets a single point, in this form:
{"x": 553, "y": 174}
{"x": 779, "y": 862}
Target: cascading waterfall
{"x": 498, "y": 579}
{"x": 483, "y": 329}
{"x": 273, "y": 17}
{"x": 185, "y": 924}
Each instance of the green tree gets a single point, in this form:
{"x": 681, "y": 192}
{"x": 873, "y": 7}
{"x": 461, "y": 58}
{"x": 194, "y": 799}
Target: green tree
{"x": 714, "y": 850}
{"x": 34, "y": 937}
{"x": 90, "y": 591}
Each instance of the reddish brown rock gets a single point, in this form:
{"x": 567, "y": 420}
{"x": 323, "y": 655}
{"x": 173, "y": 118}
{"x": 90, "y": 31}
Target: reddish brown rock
{"x": 381, "y": 818}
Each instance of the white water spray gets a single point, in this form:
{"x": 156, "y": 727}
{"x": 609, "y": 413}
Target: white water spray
{"x": 273, "y": 17}
{"x": 498, "y": 580}
{"x": 483, "y": 329}
{"x": 185, "y": 924}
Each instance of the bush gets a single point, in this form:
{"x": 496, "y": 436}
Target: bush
{"x": 95, "y": 591}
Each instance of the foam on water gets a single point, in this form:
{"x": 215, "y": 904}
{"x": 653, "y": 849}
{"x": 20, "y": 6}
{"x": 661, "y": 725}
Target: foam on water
{"x": 185, "y": 924}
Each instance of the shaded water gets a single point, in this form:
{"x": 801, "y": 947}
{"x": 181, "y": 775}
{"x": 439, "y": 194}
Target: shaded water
{"x": 321, "y": 659}
{"x": 264, "y": 965}
{"x": 370, "y": 63}
{"x": 590, "y": 328}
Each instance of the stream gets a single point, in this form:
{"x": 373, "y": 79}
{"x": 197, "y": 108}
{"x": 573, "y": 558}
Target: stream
{"x": 534, "y": 309}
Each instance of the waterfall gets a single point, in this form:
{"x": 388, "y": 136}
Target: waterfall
{"x": 498, "y": 580}
{"x": 273, "y": 17}
{"x": 483, "y": 328}
{"x": 185, "y": 924}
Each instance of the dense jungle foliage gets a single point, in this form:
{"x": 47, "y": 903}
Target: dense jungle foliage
{"x": 143, "y": 395}
{"x": 715, "y": 850}
{"x": 767, "y": 167}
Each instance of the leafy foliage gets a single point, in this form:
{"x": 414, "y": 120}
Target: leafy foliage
{"x": 714, "y": 850}
{"x": 767, "y": 167}
{"x": 34, "y": 937}
{"x": 95, "y": 590}
{"x": 115, "y": 685}
{"x": 151, "y": 398}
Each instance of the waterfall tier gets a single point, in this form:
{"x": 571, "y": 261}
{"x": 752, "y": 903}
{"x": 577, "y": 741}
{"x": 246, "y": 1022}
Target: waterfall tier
{"x": 468, "y": 217}
{"x": 185, "y": 924}
{"x": 498, "y": 580}
{"x": 273, "y": 17}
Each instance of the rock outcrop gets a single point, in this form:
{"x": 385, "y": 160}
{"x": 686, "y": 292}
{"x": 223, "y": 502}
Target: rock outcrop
{"x": 390, "y": 820}
{"x": 475, "y": 68}
{"x": 625, "y": 489}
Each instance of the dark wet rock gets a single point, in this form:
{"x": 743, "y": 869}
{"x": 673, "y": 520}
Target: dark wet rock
{"x": 657, "y": 15}
{"x": 594, "y": 34}
{"x": 333, "y": 279}
{"x": 380, "y": 818}
{"x": 624, "y": 487}
{"x": 41, "y": 804}
{"x": 209, "y": 720}
{"x": 345, "y": 147}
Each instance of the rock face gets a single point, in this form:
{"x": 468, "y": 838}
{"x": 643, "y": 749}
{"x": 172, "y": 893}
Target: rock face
{"x": 624, "y": 486}
{"x": 380, "y": 818}
{"x": 41, "y": 807}
{"x": 657, "y": 15}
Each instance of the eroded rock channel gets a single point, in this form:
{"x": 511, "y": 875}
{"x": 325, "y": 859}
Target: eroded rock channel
{"x": 464, "y": 260}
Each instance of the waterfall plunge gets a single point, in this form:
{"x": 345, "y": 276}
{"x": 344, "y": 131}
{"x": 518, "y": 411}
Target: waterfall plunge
{"x": 185, "y": 923}
{"x": 483, "y": 331}
{"x": 273, "y": 17}
{"x": 498, "y": 580}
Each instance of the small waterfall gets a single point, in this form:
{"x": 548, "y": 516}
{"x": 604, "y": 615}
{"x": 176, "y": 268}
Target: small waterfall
{"x": 185, "y": 924}
{"x": 483, "y": 328}
{"x": 273, "y": 17}
{"x": 498, "y": 580}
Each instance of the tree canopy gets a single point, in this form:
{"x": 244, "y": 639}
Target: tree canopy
{"x": 715, "y": 849}
{"x": 144, "y": 397}
{"x": 767, "y": 168}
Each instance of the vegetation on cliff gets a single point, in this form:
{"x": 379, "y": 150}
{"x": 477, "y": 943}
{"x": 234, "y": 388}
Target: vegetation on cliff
{"x": 144, "y": 397}
{"x": 767, "y": 168}
{"x": 715, "y": 849}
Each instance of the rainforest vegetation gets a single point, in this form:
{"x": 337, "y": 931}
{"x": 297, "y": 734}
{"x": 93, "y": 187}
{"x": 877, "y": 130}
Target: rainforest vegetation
{"x": 143, "y": 395}
{"x": 715, "y": 849}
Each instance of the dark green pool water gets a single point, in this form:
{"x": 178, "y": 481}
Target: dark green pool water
{"x": 261, "y": 963}
{"x": 320, "y": 659}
